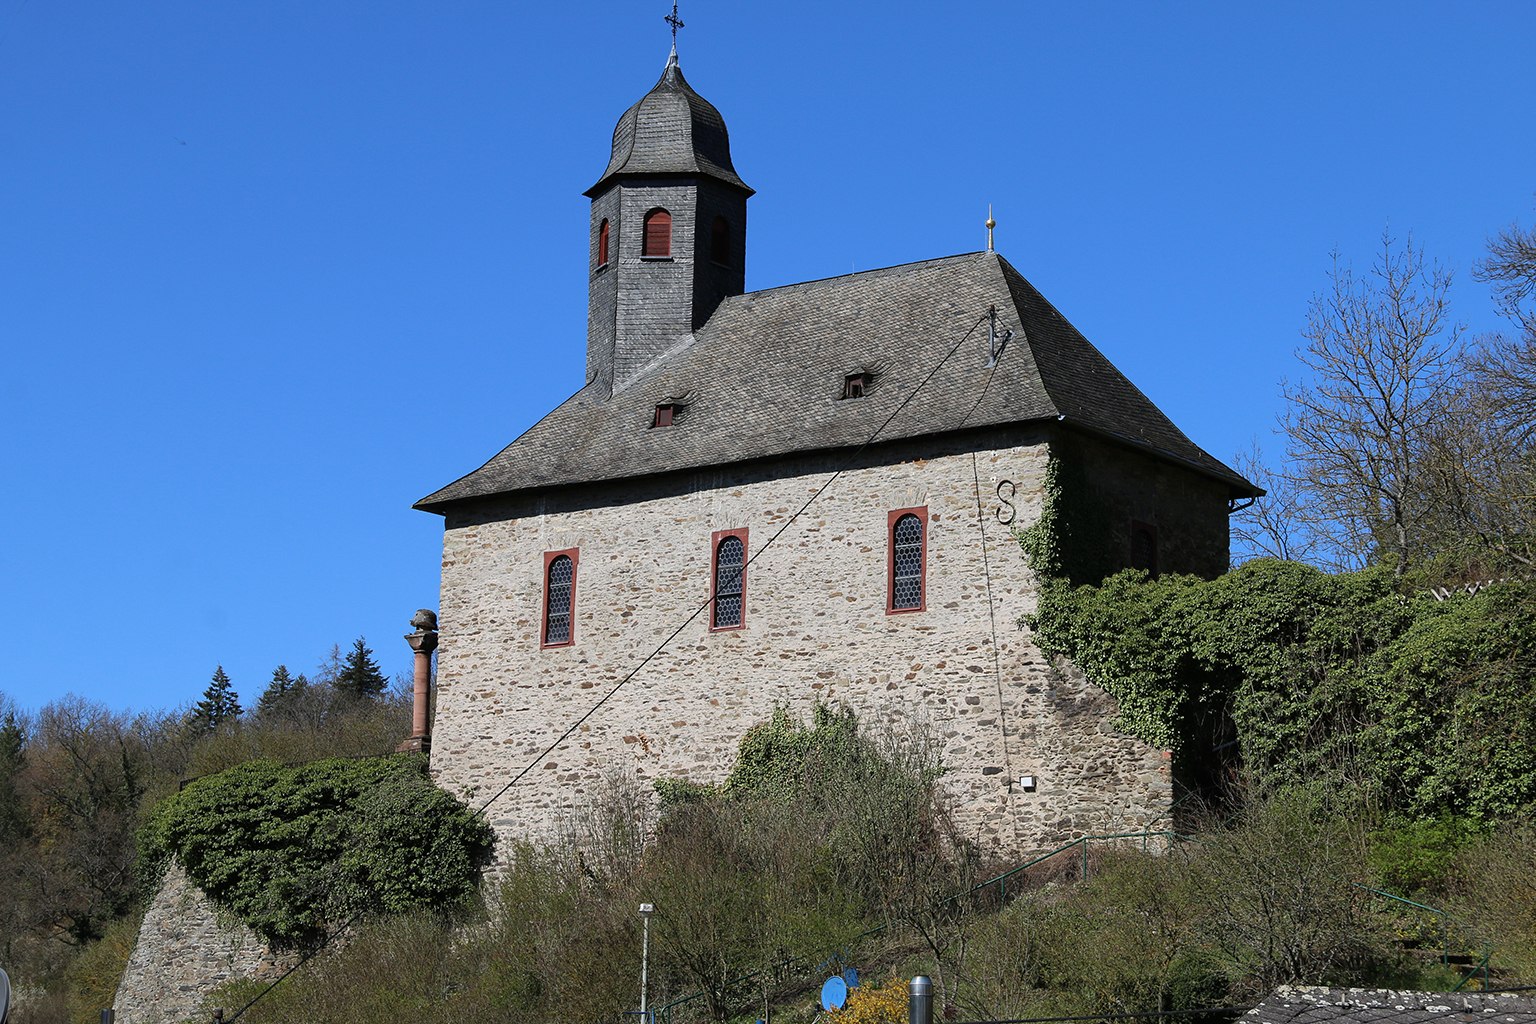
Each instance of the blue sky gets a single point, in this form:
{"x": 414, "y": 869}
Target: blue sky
{"x": 271, "y": 272}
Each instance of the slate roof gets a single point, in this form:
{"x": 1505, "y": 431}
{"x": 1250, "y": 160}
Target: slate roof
{"x": 1305, "y": 1005}
{"x": 764, "y": 377}
{"x": 671, "y": 130}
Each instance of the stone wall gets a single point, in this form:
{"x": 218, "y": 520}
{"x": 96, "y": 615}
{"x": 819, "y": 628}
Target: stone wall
{"x": 816, "y": 628}
{"x": 1119, "y": 486}
{"x": 185, "y": 949}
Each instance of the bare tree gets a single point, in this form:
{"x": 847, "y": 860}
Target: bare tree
{"x": 1482, "y": 464}
{"x": 1510, "y": 267}
{"x": 1273, "y": 526}
{"x": 1380, "y": 351}
{"x": 1487, "y": 462}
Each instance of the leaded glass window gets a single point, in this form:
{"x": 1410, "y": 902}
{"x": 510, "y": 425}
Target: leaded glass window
{"x": 559, "y": 594}
{"x": 730, "y": 565}
{"x": 907, "y": 562}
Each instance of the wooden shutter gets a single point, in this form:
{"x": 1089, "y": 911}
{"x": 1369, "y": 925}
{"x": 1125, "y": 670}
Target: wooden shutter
{"x": 658, "y": 234}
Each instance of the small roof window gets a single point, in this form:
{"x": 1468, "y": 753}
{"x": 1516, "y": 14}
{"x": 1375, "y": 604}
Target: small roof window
{"x": 666, "y": 413}
{"x": 855, "y": 384}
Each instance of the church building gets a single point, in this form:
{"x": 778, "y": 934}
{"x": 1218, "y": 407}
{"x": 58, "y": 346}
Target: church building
{"x": 810, "y": 492}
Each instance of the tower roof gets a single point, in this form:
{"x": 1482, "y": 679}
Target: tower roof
{"x": 671, "y": 130}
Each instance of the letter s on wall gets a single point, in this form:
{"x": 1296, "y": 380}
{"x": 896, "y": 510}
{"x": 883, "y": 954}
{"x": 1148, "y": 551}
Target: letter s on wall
{"x": 1006, "y": 513}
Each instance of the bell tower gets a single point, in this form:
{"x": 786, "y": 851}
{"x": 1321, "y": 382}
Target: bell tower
{"x": 668, "y": 231}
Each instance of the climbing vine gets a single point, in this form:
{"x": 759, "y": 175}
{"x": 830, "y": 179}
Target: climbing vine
{"x": 1316, "y": 674}
{"x": 1071, "y": 539}
{"x": 1042, "y": 540}
{"x": 292, "y": 848}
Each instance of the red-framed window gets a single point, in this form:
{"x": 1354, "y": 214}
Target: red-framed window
{"x": 602, "y": 244}
{"x": 666, "y": 412}
{"x": 728, "y": 580}
{"x": 657, "y": 239}
{"x": 559, "y": 625}
{"x": 1144, "y": 546}
{"x": 906, "y": 531}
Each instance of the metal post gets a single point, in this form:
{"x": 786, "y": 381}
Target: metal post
{"x": 646, "y": 910}
{"x": 920, "y": 1000}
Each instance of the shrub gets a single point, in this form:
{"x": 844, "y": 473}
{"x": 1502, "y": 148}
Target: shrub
{"x": 881, "y": 1004}
{"x": 290, "y": 848}
{"x": 1345, "y": 676}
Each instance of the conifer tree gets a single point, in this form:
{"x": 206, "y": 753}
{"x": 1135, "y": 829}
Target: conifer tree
{"x": 360, "y": 675}
{"x": 13, "y": 756}
{"x": 280, "y": 692}
{"x": 218, "y": 707}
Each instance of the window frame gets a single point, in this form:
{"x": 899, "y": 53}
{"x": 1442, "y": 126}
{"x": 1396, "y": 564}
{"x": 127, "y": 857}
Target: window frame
{"x": 665, "y": 415}
{"x": 574, "y": 554}
{"x": 645, "y": 234}
{"x": 604, "y": 243}
{"x": 717, "y": 539}
{"x": 891, "y": 519}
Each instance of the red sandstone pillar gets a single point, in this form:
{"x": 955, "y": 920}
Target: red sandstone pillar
{"x": 423, "y": 642}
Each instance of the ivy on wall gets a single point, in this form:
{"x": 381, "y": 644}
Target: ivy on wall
{"x": 1341, "y": 676}
{"x": 1071, "y": 539}
{"x": 291, "y": 848}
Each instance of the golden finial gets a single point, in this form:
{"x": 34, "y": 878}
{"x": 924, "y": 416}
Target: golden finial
{"x": 990, "y": 225}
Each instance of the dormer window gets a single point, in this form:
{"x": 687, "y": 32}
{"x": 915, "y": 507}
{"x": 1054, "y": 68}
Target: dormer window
{"x": 855, "y": 384}
{"x": 657, "y": 241}
{"x": 665, "y": 413}
{"x": 602, "y": 244}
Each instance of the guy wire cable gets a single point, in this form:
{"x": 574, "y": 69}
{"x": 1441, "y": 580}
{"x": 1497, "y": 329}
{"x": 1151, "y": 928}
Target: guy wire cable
{"x": 981, "y": 524}
{"x": 847, "y": 461}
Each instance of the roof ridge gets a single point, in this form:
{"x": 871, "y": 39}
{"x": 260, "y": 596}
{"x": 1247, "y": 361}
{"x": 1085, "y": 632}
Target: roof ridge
{"x": 856, "y": 273}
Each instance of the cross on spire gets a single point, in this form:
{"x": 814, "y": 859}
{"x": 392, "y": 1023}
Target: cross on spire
{"x": 676, "y": 23}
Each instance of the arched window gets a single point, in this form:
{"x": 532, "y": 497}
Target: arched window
{"x": 727, "y": 606}
{"x": 908, "y": 566}
{"x": 602, "y": 243}
{"x": 559, "y": 597}
{"x": 720, "y": 242}
{"x": 658, "y": 234}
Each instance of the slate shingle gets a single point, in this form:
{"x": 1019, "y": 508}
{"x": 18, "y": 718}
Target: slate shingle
{"x": 1307, "y": 1005}
{"x": 764, "y": 378}
{"x": 671, "y": 130}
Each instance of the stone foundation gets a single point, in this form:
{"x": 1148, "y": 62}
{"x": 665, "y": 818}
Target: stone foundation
{"x": 185, "y": 950}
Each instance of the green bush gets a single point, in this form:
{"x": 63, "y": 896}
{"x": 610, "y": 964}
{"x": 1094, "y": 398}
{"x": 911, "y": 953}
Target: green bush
{"x": 1341, "y": 676}
{"x": 290, "y": 848}
{"x": 1494, "y": 897}
{"x": 1416, "y": 857}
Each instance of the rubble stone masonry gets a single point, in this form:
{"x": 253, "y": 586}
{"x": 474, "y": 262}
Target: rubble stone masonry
{"x": 184, "y": 951}
{"x": 816, "y": 628}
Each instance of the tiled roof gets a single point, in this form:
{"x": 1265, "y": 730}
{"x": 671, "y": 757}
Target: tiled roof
{"x": 764, "y": 377}
{"x": 671, "y": 130}
{"x": 1304, "y": 1005}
